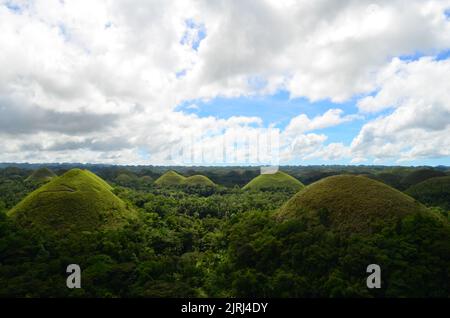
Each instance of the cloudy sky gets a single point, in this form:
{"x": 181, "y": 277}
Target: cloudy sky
{"x": 225, "y": 81}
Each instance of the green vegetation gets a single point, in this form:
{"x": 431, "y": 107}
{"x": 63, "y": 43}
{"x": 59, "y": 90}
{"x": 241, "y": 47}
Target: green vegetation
{"x": 41, "y": 175}
{"x": 389, "y": 178}
{"x": 432, "y": 192}
{"x": 198, "y": 181}
{"x": 305, "y": 257}
{"x": 273, "y": 181}
{"x": 13, "y": 187}
{"x": 320, "y": 242}
{"x": 170, "y": 179}
{"x": 124, "y": 179}
{"x": 146, "y": 179}
{"x": 420, "y": 175}
{"x": 131, "y": 180}
{"x": 140, "y": 239}
{"x": 353, "y": 204}
{"x": 76, "y": 201}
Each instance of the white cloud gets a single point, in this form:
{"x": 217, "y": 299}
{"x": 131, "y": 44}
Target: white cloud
{"x": 100, "y": 81}
{"x": 331, "y": 118}
{"x": 332, "y": 151}
{"x": 320, "y": 49}
{"x": 419, "y": 125}
{"x": 302, "y": 146}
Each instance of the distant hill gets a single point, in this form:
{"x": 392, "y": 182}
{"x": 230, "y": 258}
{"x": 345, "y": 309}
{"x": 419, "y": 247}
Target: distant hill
{"x": 320, "y": 243}
{"x": 420, "y": 175}
{"x": 41, "y": 175}
{"x": 391, "y": 179}
{"x": 198, "y": 180}
{"x": 352, "y": 204}
{"x": 76, "y": 201}
{"x": 274, "y": 181}
{"x": 170, "y": 178}
{"x": 433, "y": 192}
{"x": 146, "y": 179}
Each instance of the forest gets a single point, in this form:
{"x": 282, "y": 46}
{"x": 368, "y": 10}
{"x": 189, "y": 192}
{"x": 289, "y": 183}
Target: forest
{"x": 145, "y": 231}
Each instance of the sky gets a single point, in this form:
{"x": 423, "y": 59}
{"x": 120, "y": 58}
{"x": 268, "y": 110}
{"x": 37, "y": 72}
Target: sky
{"x": 248, "y": 82}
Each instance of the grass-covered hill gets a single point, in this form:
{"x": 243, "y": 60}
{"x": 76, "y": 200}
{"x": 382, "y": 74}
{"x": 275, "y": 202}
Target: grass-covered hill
{"x": 420, "y": 175}
{"x": 321, "y": 241}
{"x": 146, "y": 179}
{"x": 218, "y": 242}
{"x": 125, "y": 178}
{"x": 76, "y": 201}
{"x": 198, "y": 181}
{"x": 352, "y": 203}
{"x": 433, "y": 192}
{"x": 389, "y": 178}
{"x": 169, "y": 179}
{"x": 41, "y": 175}
{"x": 277, "y": 180}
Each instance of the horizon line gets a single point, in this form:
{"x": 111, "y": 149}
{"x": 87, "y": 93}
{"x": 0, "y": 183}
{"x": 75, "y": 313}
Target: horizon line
{"x": 211, "y": 166}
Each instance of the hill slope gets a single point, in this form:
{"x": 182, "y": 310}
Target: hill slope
{"x": 274, "y": 181}
{"x": 76, "y": 201}
{"x": 434, "y": 191}
{"x": 326, "y": 236}
{"x": 41, "y": 175}
{"x": 351, "y": 203}
{"x": 418, "y": 176}
{"x": 198, "y": 180}
{"x": 170, "y": 178}
{"x": 391, "y": 179}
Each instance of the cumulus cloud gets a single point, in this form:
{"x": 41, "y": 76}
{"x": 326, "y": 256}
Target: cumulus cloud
{"x": 100, "y": 81}
{"x": 332, "y": 117}
{"x": 419, "y": 124}
{"x": 27, "y": 119}
{"x": 316, "y": 49}
{"x": 330, "y": 152}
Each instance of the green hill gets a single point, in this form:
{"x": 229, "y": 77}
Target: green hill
{"x": 274, "y": 181}
{"x": 198, "y": 180}
{"x": 391, "y": 179}
{"x": 320, "y": 243}
{"x": 434, "y": 192}
{"x": 351, "y": 203}
{"x": 76, "y": 201}
{"x": 146, "y": 179}
{"x": 41, "y": 175}
{"x": 170, "y": 178}
{"x": 124, "y": 178}
{"x": 420, "y": 175}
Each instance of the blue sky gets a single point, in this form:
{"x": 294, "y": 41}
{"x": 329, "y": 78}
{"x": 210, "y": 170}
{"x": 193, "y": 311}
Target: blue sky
{"x": 101, "y": 59}
{"x": 279, "y": 108}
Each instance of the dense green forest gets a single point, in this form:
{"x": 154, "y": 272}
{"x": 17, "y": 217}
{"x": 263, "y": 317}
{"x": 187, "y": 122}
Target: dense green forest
{"x": 201, "y": 232}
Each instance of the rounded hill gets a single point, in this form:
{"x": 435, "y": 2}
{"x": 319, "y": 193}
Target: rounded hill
{"x": 170, "y": 178}
{"x": 420, "y": 175}
{"x": 76, "y": 201}
{"x": 146, "y": 179}
{"x": 124, "y": 178}
{"x": 330, "y": 231}
{"x": 41, "y": 175}
{"x": 278, "y": 180}
{"x": 434, "y": 191}
{"x": 198, "y": 181}
{"x": 349, "y": 203}
{"x": 391, "y": 179}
